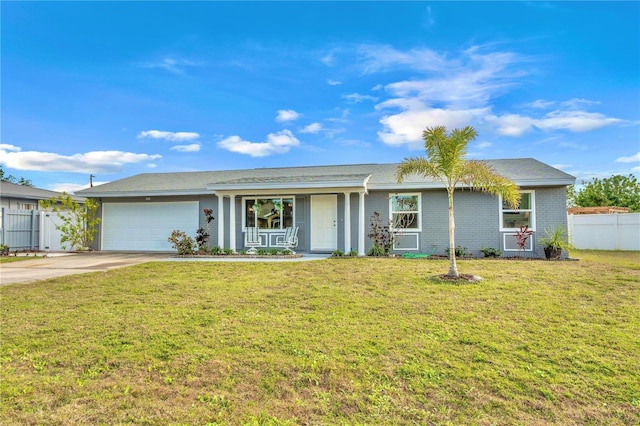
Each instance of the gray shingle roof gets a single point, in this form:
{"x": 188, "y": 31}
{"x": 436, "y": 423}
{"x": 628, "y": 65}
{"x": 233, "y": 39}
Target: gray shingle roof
{"x": 523, "y": 171}
{"x": 12, "y": 190}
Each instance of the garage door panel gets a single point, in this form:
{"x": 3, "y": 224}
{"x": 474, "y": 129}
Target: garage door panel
{"x": 146, "y": 226}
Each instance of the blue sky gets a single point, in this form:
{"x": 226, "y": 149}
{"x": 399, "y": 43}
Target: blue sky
{"x": 115, "y": 89}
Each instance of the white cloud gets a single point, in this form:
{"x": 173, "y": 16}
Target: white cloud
{"x": 8, "y": 147}
{"x": 407, "y": 126}
{"x": 540, "y": 104}
{"x": 576, "y": 103}
{"x": 562, "y": 166}
{"x": 357, "y": 98}
{"x": 170, "y": 136}
{"x": 287, "y": 115}
{"x": 631, "y": 159}
{"x": 194, "y": 147}
{"x": 574, "y": 121}
{"x": 71, "y": 188}
{"x": 376, "y": 58}
{"x": 312, "y": 128}
{"x": 175, "y": 66}
{"x": 88, "y": 162}
{"x": 277, "y": 143}
{"x": 484, "y": 145}
{"x": 511, "y": 124}
{"x": 333, "y": 82}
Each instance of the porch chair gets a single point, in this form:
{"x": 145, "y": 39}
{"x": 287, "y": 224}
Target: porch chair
{"x": 289, "y": 240}
{"x": 251, "y": 239}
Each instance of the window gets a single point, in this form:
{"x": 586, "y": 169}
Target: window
{"x": 523, "y": 215}
{"x": 404, "y": 211}
{"x": 26, "y": 206}
{"x": 269, "y": 212}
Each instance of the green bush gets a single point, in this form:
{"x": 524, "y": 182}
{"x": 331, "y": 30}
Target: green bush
{"x": 491, "y": 252}
{"x": 337, "y": 253}
{"x": 182, "y": 243}
{"x": 376, "y": 251}
{"x": 459, "y": 251}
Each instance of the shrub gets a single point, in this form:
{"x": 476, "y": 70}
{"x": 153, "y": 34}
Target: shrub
{"x": 376, "y": 251}
{"x": 381, "y": 235}
{"x": 491, "y": 252}
{"x": 202, "y": 237}
{"x": 459, "y": 251}
{"x": 216, "y": 250}
{"x": 353, "y": 253}
{"x": 228, "y": 251}
{"x": 337, "y": 253}
{"x": 182, "y": 243}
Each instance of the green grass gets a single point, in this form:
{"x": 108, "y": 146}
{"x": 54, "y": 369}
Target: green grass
{"x": 9, "y": 259}
{"x": 340, "y": 341}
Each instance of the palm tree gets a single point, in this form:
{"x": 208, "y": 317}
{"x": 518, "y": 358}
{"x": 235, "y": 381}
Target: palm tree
{"x": 445, "y": 161}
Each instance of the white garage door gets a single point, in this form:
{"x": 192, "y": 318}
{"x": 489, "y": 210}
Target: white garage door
{"x": 146, "y": 226}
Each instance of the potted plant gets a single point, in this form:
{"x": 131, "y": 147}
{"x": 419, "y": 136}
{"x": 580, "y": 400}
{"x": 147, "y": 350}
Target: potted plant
{"x": 555, "y": 240}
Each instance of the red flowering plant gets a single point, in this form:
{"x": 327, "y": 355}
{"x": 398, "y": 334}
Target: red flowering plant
{"x": 522, "y": 236}
{"x": 202, "y": 236}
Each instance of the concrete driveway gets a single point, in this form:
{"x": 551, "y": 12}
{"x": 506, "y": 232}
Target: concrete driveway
{"x": 60, "y": 264}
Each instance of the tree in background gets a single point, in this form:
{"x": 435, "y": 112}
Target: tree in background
{"x": 616, "y": 191}
{"x": 79, "y": 221}
{"x": 13, "y": 179}
{"x": 446, "y": 161}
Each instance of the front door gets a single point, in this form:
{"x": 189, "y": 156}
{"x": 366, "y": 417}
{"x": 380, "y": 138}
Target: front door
{"x": 324, "y": 229}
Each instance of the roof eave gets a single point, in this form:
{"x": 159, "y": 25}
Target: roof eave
{"x": 117, "y": 194}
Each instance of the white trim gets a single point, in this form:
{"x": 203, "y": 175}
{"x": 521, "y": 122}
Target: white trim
{"x": 513, "y": 235}
{"x": 532, "y": 210}
{"x": 347, "y": 222}
{"x": 417, "y": 246}
{"x": 419, "y": 212}
{"x": 361, "y": 231}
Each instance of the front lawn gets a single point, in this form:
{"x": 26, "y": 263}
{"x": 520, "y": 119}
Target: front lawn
{"x": 339, "y": 341}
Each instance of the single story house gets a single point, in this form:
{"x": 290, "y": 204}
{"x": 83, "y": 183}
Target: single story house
{"x": 331, "y": 205}
{"x": 22, "y": 197}
{"x": 23, "y": 225}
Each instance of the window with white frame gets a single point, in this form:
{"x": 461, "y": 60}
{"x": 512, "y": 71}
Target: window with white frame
{"x": 524, "y": 214}
{"x": 269, "y": 212}
{"x": 405, "y": 212}
{"x": 26, "y": 206}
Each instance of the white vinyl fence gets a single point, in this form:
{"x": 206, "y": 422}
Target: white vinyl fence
{"x": 605, "y": 231}
{"x": 30, "y": 230}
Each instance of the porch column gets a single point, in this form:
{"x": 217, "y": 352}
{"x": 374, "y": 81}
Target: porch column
{"x": 361, "y": 225}
{"x": 232, "y": 222}
{"x": 347, "y": 222}
{"x": 220, "y": 221}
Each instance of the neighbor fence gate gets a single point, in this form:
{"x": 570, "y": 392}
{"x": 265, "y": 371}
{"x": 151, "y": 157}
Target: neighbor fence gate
{"x": 20, "y": 229}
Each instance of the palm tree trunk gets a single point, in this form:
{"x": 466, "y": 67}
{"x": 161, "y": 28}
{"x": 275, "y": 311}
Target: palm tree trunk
{"x": 453, "y": 267}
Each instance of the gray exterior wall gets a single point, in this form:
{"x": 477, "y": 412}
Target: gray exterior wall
{"x": 477, "y": 218}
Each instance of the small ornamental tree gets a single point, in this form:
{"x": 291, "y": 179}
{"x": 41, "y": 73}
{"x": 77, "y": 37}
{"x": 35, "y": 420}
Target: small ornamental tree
{"x": 79, "y": 220}
{"x": 522, "y": 235}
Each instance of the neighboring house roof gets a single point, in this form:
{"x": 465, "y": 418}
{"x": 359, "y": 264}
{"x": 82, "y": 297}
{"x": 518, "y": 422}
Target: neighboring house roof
{"x": 598, "y": 210}
{"x": 523, "y": 171}
{"x": 12, "y": 190}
